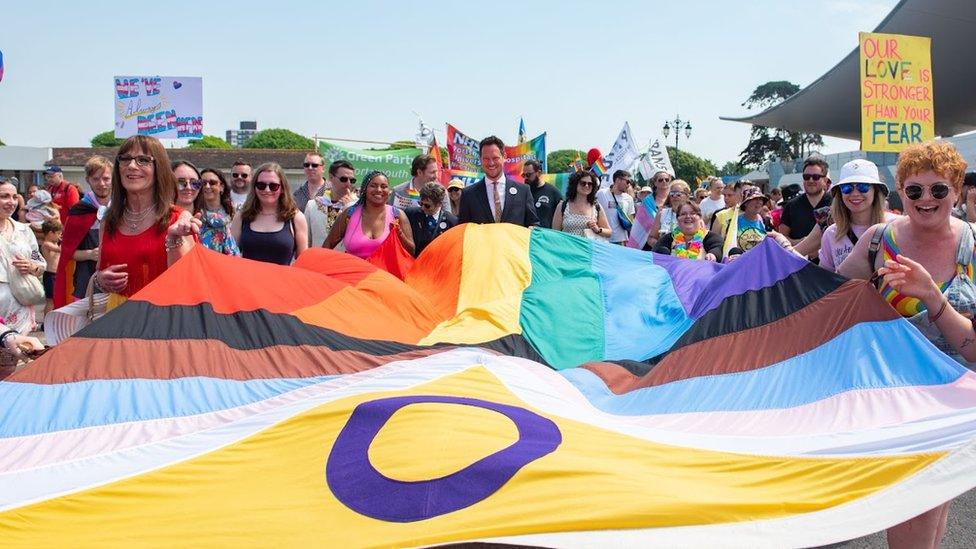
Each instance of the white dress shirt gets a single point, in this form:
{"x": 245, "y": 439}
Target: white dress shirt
{"x": 501, "y": 194}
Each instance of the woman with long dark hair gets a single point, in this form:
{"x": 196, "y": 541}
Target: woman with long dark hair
{"x": 215, "y": 210}
{"x": 366, "y": 225}
{"x": 580, "y": 214}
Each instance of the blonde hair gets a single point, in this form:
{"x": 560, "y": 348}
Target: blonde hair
{"x": 940, "y": 157}
{"x": 842, "y": 216}
{"x": 681, "y": 185}
{"x": 96, "y": 164}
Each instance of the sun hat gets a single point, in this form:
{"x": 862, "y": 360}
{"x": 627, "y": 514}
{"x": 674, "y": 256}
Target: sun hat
{"x": 859, "y": 171}
{"x": 752, "y": 193}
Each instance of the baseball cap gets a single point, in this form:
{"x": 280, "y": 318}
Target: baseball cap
{"x": 52, "y": 169}
{"x": 455, "y": 184}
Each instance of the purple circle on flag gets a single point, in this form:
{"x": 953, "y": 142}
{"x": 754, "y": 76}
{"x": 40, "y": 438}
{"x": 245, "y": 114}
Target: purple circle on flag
{"x": 358, "y": 485}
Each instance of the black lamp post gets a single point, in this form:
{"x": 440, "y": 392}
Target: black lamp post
{"x": 676, "y": 124}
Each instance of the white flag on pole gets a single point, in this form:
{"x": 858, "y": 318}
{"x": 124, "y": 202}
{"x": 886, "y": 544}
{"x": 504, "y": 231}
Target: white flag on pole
{"x": 656, "y": 160}
{"x": 622, "y": 156}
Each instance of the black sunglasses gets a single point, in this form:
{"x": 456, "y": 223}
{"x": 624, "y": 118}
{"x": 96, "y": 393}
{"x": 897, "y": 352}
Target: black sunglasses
{"x": 238, "y": 175}
{"x": 262, "y": 186}
{"x": 195, "y": 184}
{"x": 311, "y": 165}
{"x": 345, "y": 179}
{"x": 813, "y": 176}
{"x": 848, "y": 188}
{"x": 939, "y": 191}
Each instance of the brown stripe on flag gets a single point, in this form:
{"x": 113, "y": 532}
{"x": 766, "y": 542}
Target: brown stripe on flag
{"x": 82, "y": 359}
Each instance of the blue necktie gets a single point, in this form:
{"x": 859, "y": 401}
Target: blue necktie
{"x": 431, "y": 223}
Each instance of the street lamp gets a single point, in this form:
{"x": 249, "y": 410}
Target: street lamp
{"x": 677, "y": 133}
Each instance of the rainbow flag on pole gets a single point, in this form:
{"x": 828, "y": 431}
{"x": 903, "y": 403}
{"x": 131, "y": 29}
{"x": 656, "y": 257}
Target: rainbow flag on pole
{"x": 599, "y": 167}
{"x": 522, "y": 387}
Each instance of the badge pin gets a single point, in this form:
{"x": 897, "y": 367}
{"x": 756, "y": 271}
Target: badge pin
{"x": 443, "y": 225}
{"x": 513, "y": 191}
{"x": 538, "y": 204}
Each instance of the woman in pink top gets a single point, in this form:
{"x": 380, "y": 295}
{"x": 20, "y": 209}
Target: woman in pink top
{"x": 368, "y": 223}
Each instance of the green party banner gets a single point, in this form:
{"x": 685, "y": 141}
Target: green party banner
{"x": 396, "y": 164}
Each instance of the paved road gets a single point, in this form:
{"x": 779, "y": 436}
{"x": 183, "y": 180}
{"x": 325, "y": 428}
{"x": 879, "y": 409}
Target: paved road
{"x": 960, "y": 534}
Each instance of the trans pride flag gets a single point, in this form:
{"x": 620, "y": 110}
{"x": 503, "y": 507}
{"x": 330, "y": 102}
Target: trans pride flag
{"x": 520, "y": 386}
{"x": 1, "y": 66}
{"x": 643, "y": 222}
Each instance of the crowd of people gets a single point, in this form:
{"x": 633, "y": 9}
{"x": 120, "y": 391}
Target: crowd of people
{"x": 84, "y": 251}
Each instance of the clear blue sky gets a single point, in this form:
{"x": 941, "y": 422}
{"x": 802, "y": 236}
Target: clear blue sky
{"x": 357, "y": 69}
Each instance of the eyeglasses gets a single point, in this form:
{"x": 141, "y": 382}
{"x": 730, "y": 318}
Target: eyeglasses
{"x": 848, "y": 188}
{"x": 311, "y": 165}
{"x": 585, "y": 184}
{"x": 813, "y": 176}
{"x": 938, "y": 191}
{"x": 262, "y": 186}
{"x": 426, "y": 205}
{"x": 454, "y": 190}
{"x": 528, "y": 174}
{"x": 211, "y": 183}
{"x": 663, "y": 180}
{"x": 184, "y": 184}
{"x": 142, "y": 160}
{"x": 345, "y": 179}
{"x": 675, "y": 193}
{"x": 239, "y": 175}
{"x": 688, "y": 214}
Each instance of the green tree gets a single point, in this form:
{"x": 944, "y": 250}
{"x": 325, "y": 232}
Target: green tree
{"x": 690, "y": 167}
{"x": 208, "y": 142}
{"x": 732, "y": 168}
{"x": 277, "y": 138}
{"x": 2, "y": 144}
{"x": 401, "y": 144}
{"x": 106, "y": 139}
{"x": 766, "y": 143}
{"x": 562, "y": 160}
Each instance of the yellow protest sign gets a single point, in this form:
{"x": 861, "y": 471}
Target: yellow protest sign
{"x": 896, "y": 91}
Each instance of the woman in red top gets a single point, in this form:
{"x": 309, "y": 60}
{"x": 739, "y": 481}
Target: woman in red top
{"x": 142, "y": 233}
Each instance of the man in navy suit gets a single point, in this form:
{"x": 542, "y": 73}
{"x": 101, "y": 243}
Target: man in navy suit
{"x": 493, "y": 199}
{"x": 430, "y": 219}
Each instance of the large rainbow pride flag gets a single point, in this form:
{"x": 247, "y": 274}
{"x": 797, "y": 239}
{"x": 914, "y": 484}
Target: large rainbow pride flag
{"x": 520, "y": 386}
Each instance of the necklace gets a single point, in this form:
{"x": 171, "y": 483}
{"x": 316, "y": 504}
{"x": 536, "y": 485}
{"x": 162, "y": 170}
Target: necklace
{"x": 133, "y": 220}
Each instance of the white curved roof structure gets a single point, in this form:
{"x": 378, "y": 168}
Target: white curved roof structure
{"x": 831, "y": 104}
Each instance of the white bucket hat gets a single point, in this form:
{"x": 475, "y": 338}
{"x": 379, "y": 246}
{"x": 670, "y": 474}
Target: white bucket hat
{"x": 859, "y": 171}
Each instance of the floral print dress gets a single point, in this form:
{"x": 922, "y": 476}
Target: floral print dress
{"x": 215, "y": 232}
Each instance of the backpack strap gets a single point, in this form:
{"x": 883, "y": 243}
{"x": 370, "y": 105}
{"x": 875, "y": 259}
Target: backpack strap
{"x": 873, "y": 254}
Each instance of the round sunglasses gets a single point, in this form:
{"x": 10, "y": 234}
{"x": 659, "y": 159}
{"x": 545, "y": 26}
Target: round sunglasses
{"x": 938, "y": 191}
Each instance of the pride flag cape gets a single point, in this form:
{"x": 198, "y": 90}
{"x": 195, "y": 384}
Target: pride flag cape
{"x": 520, "y": 386}
{"x": 643, "y": 222}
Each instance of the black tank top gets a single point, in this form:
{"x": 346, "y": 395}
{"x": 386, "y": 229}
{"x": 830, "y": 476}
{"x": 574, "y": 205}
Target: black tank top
{"x": 277, "y": 247}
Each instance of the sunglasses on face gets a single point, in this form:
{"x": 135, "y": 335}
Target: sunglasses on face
{"x": 676, "y": 193}
{"x": 142, "y": 160}
{"x": 345, "y": 179}
{"x": 311, "y": 165}
{"x": 813, "y": 176}
{"x": 662, "y": 180}
{"x": 211, "y": 183}
{"x": 262, "y": 186}
{"x": 938, "y": 191}
{"x": 848, "y": 188}
{"x": 239, "y": 175}
{"x": 528, "y": 174}
{"x": 454, "y": 190}
{"x": 184, "y": 184}
{"x": 585, "y": 184}
{"x": 427, "y": 205}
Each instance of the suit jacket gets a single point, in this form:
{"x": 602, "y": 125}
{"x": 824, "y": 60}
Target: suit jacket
{"x": 422, "y": 236}
{"x": 519, "y": 207}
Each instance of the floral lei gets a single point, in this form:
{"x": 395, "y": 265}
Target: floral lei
{"x": 685, "y": 247}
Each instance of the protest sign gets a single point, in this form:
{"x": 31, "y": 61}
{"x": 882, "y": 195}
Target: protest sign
{"x": 165, "y": 107}
{"x": 395, "y": 163}
{"x": 896, "y": 91}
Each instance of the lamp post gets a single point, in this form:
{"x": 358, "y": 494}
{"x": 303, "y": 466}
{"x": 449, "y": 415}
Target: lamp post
{"x": 677, "y": 122}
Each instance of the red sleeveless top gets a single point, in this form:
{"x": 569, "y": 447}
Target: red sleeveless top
{"x": 144, "y": 253}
